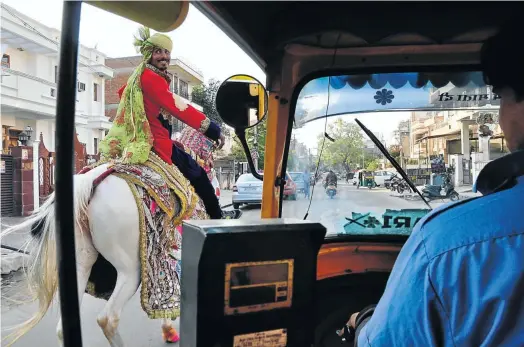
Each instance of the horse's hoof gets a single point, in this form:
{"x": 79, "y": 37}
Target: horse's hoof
{"x": 170, "y": 335}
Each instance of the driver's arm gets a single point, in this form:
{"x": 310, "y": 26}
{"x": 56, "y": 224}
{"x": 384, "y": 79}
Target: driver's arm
{"x": 409, "y": 312}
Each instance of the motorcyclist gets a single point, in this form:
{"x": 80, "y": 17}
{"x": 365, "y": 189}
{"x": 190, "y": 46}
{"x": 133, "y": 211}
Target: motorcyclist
{"x": 331, "y": 179}
{"x": 459, "y": 279}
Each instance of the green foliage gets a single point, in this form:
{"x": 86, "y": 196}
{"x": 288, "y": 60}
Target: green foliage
{"x": 204, "y": 95}
{"x": 373, "y": 165}
{"x": 348, "y": 149}
{"x": 238, "y": 152}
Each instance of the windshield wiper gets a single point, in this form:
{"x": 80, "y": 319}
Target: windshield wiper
{"x": 391, "y": 160}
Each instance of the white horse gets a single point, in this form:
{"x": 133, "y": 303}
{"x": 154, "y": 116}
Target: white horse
{"x": 106, "y": 223}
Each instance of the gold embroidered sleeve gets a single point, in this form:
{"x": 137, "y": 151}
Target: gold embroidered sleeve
{"x": 204, "y": 125}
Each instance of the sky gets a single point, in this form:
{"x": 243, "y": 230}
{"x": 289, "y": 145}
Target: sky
{"x": 198, "y": 40}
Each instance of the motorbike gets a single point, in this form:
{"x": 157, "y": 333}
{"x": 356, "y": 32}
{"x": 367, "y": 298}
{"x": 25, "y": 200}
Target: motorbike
{"x": 331, "y": 190}
{"x": 392, "y": 183}
{"x": 432, "y": 192}
{"x": 402, "y": 186}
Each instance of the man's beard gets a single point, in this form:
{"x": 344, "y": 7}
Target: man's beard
{"x": 161, "y": 68}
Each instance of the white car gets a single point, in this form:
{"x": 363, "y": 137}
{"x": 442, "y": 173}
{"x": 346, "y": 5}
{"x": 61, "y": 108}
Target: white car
{"x": 381, "y": 176}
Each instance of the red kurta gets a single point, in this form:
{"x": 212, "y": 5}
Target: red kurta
{"x": 156, "y": 96}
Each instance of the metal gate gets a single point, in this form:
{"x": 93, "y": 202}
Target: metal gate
{"x": 6, "y": 190}
{"x": 466, "y": 171}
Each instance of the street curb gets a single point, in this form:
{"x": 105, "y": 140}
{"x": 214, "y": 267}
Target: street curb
{"x": 12, "y": 261}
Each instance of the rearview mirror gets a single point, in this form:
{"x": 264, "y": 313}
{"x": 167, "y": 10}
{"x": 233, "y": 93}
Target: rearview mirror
{"x": 241, "y": 101}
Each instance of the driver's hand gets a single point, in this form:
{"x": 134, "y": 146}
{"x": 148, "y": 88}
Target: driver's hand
{"x": 352, "y": 320}
{"x": 221, "y": 141}
{"x": 351, "y": 323}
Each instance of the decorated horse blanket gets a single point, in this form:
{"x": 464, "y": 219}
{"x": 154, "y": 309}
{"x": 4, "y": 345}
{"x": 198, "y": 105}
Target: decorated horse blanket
{"x": 199, "y": 147}
{"x": 164, "y": 198}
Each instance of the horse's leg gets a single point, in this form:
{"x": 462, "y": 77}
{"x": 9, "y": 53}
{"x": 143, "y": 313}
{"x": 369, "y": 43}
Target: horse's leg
{"x": 86, "y": 255}
{"x": 126, "y": 286}
{"x": 169, "y": 333}
{"x": 114, "y": 225}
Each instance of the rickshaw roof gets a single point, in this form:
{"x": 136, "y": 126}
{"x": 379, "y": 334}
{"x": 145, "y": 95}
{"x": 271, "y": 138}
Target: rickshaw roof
{"x": 263, "y": 29}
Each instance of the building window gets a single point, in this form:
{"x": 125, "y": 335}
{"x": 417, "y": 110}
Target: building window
{"x": 6, "y": 61}
{"x": 174, "y": 85}
{"x": 95, "y": 91}
{"x": 56, "y": 74}
{"x": 95, "y": 145}
{"x": 53, "y": 92}
{"x": 184, "y": 92}
{"x": 81, "y": 87}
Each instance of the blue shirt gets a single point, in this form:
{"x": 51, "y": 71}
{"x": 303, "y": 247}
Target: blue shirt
{"x": 306, "y": 177}
{"x": 458, "y": 280}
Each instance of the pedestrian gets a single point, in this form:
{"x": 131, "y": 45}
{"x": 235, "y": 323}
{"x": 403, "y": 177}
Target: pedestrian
{"x": 306, "y": 177}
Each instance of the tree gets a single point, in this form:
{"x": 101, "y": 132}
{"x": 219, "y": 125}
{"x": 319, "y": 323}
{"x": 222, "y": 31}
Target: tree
{"x": 348, "y": 148}
{"x": 237, "y": 151}
{"x": 204, "y": 95}
{"x": 373, "y": 165}
{"x": 394, "y": 150}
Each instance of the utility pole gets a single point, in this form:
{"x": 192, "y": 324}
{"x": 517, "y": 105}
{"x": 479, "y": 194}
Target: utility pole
{"x": 255, "y": 159}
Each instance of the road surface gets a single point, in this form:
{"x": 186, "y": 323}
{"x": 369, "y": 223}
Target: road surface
{"x": 348, "y": 199}
{"x": 136, "y": 329}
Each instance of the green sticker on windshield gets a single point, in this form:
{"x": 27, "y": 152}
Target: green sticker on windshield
{"x": 392, "y": 222}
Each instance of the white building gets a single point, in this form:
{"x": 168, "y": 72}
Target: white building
{"x": 30, "y": 53}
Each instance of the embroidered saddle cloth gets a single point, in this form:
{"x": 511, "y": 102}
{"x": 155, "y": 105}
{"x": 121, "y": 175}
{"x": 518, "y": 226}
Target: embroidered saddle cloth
{"x": 164, "y": 198}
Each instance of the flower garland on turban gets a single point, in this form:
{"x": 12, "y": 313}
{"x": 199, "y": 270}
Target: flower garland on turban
{"x": 130, "y": 138}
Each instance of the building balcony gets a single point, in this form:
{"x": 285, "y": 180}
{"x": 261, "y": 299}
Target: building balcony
{"x": 102, "y": 71}
{"x": 197, "y": 106}
{"x": 187, "y": 99}
{"x": 22, "y": 92}
{"x": 16, "y": 35}
{"x": 182, "y": 69}
{"x": 98, "y": 122}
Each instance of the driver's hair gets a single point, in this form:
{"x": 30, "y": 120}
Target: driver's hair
{"x": 502, "y": 59}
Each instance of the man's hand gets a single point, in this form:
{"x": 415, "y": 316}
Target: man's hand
{"x": 352, "y": 320}
{"x": 351, "y": 324}
{"x": 221, "y": 141}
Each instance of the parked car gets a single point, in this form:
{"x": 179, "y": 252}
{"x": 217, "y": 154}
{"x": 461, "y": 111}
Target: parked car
{"x": 381, "y": 176}
{"x": 290, "y": 189}
{"x": 247, "y": 191}
{"x": 298, "y": 178}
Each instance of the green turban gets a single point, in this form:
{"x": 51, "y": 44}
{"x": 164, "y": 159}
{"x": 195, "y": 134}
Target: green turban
{"x": 162, "y": 41}
{"x": 130, "y": 138}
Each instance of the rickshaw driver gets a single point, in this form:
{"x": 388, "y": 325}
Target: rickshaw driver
{"x": 459, "y": 279}
{"x": 140, "y": 125}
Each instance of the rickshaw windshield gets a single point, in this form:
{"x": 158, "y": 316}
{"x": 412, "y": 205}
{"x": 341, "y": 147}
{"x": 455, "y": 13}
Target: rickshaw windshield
{"x": 441, "y": 127}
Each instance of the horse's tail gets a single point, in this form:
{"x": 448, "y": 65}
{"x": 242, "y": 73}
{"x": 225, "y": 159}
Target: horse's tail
{"x": 41, "y": 270}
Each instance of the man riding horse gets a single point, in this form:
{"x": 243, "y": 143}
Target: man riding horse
{"x": 143, "y": 120}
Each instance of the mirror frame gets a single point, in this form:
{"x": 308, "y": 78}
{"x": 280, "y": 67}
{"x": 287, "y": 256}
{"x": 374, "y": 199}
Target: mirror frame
{"x": 240, "y": 132}
{"x": 266, "y": 102}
